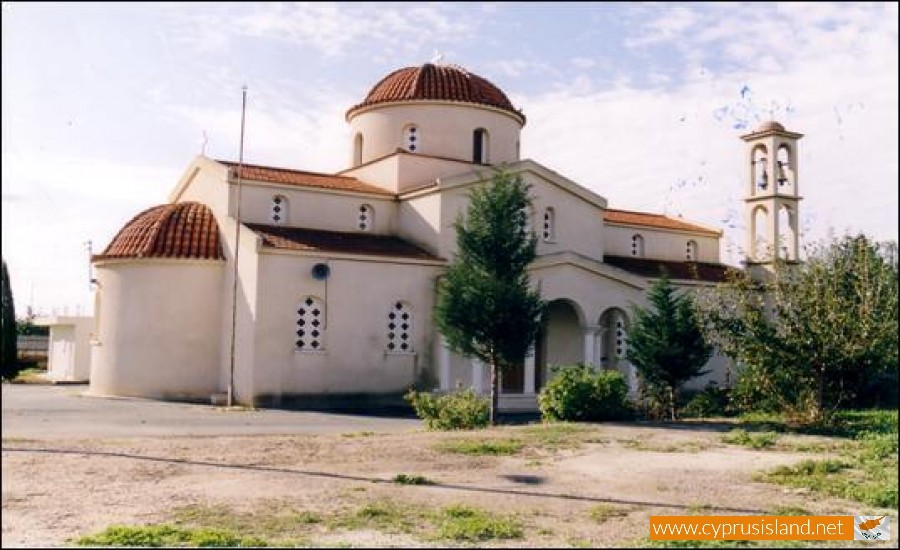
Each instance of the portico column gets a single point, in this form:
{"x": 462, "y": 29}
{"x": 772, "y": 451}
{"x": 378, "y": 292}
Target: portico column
{"x": 589, "y": 345}
{"x": 444, "y": 362}
{"x": 599, "y": 339}
{"x": 529, "y": 371}
{"x": 477, "y": 376}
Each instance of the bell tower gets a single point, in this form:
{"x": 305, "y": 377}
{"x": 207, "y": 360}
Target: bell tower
{"x": 772, "y": 199}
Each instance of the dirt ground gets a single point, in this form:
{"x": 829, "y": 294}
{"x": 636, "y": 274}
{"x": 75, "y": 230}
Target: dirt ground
{"x": 54, "y": 490}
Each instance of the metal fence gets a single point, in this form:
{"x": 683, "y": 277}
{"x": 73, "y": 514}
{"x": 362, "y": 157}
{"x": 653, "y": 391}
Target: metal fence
{"x": 32, "y": 344}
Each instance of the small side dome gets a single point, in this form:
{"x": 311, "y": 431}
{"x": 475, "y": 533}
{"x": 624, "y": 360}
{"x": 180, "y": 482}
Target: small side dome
{"x": 770, "y": 126}
{"x": 180, "y": 230}
{"x": 437, "y": 83}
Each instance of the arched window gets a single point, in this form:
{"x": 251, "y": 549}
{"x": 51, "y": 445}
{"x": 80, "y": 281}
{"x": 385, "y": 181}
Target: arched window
{"x": 310, "y": 324}
{"x": 786, "y": 222}
{"x": 760, "y": 177}
{"x": 357, "y": 149}
{"x": 480, "y": 146}
{"x": 549, "y": 231}
{"x": 400, "y": 325}
{"x": 759, "y": 244}
{"x": 690, "y": 251}
{"x": 637, "y": 246}
{"x": 783, "y": 164}
{"x": 278, "y": 210}
{"x": 412, "y": 138}
{"x": 365, "y": 217}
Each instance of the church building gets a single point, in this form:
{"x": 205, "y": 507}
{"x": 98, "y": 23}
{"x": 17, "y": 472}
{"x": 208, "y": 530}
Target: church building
{"x": 291, "y": 287}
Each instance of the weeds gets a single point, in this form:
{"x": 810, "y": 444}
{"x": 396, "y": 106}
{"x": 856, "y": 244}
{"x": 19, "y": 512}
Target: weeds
{"x": 761, "y": 440}
{"x": 405, "y": 479}
{"x": 167, "y": 535}
{"x": 479, "y": 447}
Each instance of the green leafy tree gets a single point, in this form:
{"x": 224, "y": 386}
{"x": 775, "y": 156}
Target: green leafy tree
{"x": 486, "y": 307}
{"x": 9, "y": 332}
{"x": 812, "y": 338}
{"x": 666, "y": 344}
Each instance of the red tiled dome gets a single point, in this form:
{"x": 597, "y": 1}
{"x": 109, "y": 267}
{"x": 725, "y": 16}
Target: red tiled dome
{"x": 437, "y": 83}
{"x": 179, "y": 230}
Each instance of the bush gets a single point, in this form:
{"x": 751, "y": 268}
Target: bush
{"x": 459, "y": 410}
{"x": 711, "y": 402}
{"x": 578, "y": 392}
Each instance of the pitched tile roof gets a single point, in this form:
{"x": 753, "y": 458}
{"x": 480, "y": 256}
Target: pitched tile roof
{"x": 437, "y": 82}
{"x": 300, "y": 178}
{"x": 175, "y": 230}
{"x": 646, "y": 267}
{"x": 316, "y": 240}
{"x": 654, "y": 220}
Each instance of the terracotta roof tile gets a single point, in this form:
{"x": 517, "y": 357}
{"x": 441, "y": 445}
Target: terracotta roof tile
{"x": 654, "y": 220}
{"x": 177, "y": 230}
{"x": 646, "y": 267}
{"x": 437, "y": 83}
{"x": 300, "y": 178}
{"x": 316, "y": 240}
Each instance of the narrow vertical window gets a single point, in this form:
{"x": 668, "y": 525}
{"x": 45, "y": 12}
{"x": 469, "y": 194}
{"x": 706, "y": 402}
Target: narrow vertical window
{"x": 399, "y": 333}
{"x": 637, "y": 246}
{"x": 549, "y": 230}
{"x": 690, "y": 251}
{"x": 278, "y": 210}
{"x": 357, "y": 149}
{"x": 480, "y": 146}
{"x": 412, "y": 138}
{"x": 310, "y": 324}
{"x": 365, "y": 217}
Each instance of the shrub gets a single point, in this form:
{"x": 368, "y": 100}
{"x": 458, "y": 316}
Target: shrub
{"x": 710, "y": 402}
{"x": 459, "y": 410}
{"x": 578, "y": 392}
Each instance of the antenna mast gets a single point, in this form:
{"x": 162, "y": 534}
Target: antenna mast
{"x": 237, "y": 248}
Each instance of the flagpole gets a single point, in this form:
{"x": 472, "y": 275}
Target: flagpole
{"x": 237, "y": 248}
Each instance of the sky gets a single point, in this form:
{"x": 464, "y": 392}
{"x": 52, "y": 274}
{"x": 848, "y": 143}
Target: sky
{"x": 105, "y": 105}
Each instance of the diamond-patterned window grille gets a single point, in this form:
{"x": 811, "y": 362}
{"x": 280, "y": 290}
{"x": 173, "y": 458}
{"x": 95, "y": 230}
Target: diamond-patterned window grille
{"x": 278, "y": 210}
{"x": 411, "y": 139}
{"x": 691, "y": 251}
{"x": 310, "y": 324}
{"x": 620, "y": 338}
{"x": 637, "y": 246}
{"x": 365, "y": 218}
{"x": 399, "y": 333}
{"x": 549, "y": 225}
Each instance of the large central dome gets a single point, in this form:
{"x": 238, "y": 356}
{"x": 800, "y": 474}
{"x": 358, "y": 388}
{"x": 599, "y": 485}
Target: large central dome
{"x": 437, "y": 83}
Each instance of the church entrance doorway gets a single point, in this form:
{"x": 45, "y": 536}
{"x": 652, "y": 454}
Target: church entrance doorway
{"x": 559, "y": 342}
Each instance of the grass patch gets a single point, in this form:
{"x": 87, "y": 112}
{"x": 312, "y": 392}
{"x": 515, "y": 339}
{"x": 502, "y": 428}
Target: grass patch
{"x": 692, "y": 446}
{"x": 386, "y": 516}
{"x": 867, "y": 468}
{"x": 555, "y": 436}
{"x": 273, "y": 521}
{"x": 357, "y": 434}
{"x": 466, "y": 523}
{"x": 31, "y": 376}
{"x": 482, "y": 447}
{"x": 698, "y": 509}
{"x": 407, "y": 479}
{"x": 168, "y": 535}
{"x": 604, "y": 512}
{"x": 758, "y": 440}
{"x": 788, "y": 511}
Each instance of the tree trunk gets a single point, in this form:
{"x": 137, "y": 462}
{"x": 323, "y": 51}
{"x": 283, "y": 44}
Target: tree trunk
{"x": 495, "y": 393}
{"x": 672, "y": 401}
{"x": 820, "y": 394}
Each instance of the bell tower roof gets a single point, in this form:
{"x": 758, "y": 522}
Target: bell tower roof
{"x": 770, "y": 127}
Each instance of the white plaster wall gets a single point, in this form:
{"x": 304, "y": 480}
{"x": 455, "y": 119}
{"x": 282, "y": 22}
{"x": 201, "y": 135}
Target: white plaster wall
{"x": 659, "y": 244}
{"x": 204, "y": 182}
{"x": 61, "y": 360}
{"x": 358, "y": 296}
{"x": 445, "y": 130}
{"x": 159, "y": 328}
{"x": 314, "y": 209}
{"x": 419, "y": 221}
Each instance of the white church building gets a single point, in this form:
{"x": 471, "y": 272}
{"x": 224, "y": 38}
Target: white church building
{"x": 336, "y": 273}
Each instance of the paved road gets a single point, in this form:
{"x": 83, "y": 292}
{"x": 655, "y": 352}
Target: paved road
{"x": 53, "y": 412}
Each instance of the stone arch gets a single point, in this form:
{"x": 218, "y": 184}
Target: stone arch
{"x": 759, "y": 241}
{"x": 560, "y": 340}
{"x": 758, "y": 175}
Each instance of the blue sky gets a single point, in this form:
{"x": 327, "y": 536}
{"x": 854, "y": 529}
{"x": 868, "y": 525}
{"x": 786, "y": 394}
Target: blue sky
{"x": 104, "y": 105}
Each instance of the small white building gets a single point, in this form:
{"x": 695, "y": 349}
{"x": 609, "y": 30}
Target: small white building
{"x": 68, "y": 352}
{"x": 336, "y": 273}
